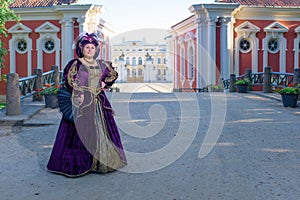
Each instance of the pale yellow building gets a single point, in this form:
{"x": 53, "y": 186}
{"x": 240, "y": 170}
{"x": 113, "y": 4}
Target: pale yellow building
{"x": 140, "y": 60}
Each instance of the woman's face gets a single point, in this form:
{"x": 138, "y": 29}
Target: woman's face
{"x": 89, "y": 50}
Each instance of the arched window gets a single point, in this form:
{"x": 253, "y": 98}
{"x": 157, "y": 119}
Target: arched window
{"x": 133, "y": 61}
{"x": 182, "y": 63}
{"x": 140, "y": 72}
{"x": 140, "y": 61}
{"x": 191, "y": 63}
{"x": 127, "y": 60}
{"x": 103, "y": 52}
{"x": 128, "y": 72}
{"x": 133, "y": 73}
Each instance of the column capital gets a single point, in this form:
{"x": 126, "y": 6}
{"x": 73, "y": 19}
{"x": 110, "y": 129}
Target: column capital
{"x": 200, "y": 20}
{"x": 225, "y": 20}
{"x": 212, "y": 20}
{"x": 80, "y": 19}
{"x": 66, "y": 21}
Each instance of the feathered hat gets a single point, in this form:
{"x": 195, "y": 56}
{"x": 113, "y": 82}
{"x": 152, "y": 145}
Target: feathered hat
{"x": 84, "y": 39}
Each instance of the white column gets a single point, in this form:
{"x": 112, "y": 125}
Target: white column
{"x": 212, "y": 50}
{"x": 80, "y": 21}
{"x": 146, "y": 72}
{"x": 67, "y": 40}
{"x": 231, "y": 47}
{"x": 29, "y": 56}
{"x": 200, "y": 52}
{"x": 296, "y": 51}
{"x": 224, "y": 48}
{"x": 121, "y": 70}
{"x": 176, "y": 70}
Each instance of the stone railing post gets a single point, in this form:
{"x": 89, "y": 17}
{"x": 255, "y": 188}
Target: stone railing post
{"x": 38, "y": 85}
{"x": 267, "y": 88}
{"x": 232, "y": 80}
{"x": 297, "y": 77}
{"x": 13, "y": 101}
{"x": 55, "y": 75}
{"x": 248, "y": 73}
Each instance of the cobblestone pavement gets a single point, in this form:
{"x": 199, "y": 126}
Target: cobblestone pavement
{"x": 257, "y": 155}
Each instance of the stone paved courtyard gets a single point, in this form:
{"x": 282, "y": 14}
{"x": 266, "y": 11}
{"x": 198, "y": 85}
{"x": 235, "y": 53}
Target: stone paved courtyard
{"x": 256, "y": 155}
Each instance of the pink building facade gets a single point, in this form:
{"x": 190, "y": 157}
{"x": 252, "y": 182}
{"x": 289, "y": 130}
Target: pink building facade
{"x": 230, "y": 36}
{"x": 45, "y": 35}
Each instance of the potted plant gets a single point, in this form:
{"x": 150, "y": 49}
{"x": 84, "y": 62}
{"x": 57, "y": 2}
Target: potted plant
{"x": 289, "y": 96}
{"x": 50, "y": 94}
{"x": 216, "y": 88}
{"x": 242, "y": 85}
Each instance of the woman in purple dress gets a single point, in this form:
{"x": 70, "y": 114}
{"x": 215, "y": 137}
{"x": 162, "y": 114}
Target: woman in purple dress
{"x": 90, "y": 141}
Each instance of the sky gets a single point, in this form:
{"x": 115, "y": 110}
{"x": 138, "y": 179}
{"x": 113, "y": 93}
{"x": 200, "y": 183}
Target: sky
{"x": 128, "y": 15}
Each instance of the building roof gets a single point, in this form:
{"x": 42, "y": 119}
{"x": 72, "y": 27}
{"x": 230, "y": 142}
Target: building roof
{"x": 271, "y": 3}
{"x": 39, "y": 3}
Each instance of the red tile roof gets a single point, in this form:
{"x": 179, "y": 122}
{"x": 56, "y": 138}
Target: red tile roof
{"x": 287, "y": 3}
{"x": 39, "y": 3}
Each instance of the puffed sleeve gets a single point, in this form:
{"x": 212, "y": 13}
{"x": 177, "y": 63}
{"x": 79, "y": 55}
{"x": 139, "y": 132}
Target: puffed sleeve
{"x": 69, "y": 74}
{"x": 109, "y": 75}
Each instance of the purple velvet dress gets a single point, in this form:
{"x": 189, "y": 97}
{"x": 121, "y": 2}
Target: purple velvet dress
{"x": 91, "y": 142}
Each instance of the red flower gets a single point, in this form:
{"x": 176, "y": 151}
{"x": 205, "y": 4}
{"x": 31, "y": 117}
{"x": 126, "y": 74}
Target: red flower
{"x": 38, "y": 90}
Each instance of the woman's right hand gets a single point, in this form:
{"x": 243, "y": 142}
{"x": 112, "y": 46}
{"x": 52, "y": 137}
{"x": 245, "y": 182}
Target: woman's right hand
{"x": 78, "y": 100}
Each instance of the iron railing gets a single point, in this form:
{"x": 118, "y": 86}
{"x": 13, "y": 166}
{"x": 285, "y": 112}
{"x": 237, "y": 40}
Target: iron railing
{"x": 27, "y": 85}
{"x": 278, "y": 79}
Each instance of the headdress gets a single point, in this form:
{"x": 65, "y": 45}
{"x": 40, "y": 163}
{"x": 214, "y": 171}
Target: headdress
{"x": 84, "y": 39}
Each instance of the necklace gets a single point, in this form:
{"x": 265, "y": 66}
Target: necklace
{"x": 89, "y": 62}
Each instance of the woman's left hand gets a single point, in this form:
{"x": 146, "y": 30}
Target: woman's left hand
{"x": 103, "y": 85}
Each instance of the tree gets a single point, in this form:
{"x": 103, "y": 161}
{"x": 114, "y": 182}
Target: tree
{"x": 5, "y": 14}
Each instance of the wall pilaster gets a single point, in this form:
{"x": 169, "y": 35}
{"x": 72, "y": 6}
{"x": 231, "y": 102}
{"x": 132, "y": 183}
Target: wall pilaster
{"x": 67, "y": 38}
{"x": 225, "y": 72}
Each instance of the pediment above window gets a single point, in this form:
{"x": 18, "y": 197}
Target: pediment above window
{"x": 19, "y": 28}
{"x": 180, "y": 40}
{"x": 246, "y": 29}
{"x": 47, "y": 27}
{"x": 297, "y": 30}
{"x": 276, "y": 27}
{"x": 189, "y": 36}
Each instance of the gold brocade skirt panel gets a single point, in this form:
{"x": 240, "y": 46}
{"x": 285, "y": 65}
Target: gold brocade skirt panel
{"x": 107, "y": 158}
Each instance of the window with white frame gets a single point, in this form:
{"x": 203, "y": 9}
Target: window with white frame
{"x": 245, "y": 45}
{"x": 191, "y": 63}
{"x": 273, "y": 45}
{"x": 49, "y": 46}
{"x": 140, "y": 61}
{"x": 127, "y": 60}
{"x": 158, "y": 60}
{"x": 182, "y": 63}
{"x": 21, "y": 46}
{"x": 140, "y": 72}
{"x": 133, "y": 61}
